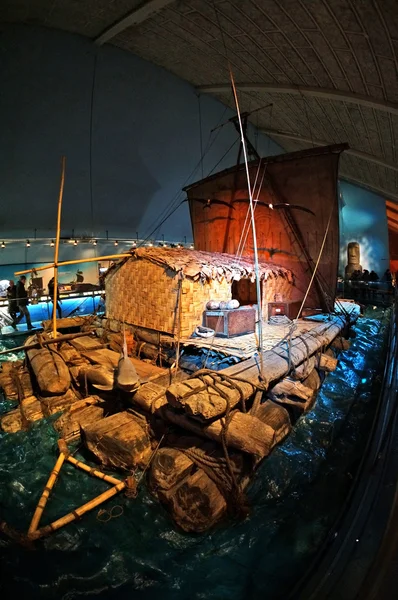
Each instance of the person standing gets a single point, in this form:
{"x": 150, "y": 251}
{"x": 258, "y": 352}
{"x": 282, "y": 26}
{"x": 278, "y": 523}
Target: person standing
{"x": 51, "y": 294}
{"x": 23, "y": 301}
{"x": 12, "y": 302}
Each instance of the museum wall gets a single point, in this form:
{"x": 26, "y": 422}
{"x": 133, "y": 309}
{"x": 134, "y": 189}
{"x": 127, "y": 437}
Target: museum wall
{"x": 363, "y": 220}
{"x": 143, "y": 147}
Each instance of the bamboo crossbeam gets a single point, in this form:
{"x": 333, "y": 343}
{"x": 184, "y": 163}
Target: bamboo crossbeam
{"x": 75, "y": 262}
{"x": 45, "y": 495}
{"x": 80, "y": 465}
{"x": 60, "y": 338}
{"x": 79, "y": 512}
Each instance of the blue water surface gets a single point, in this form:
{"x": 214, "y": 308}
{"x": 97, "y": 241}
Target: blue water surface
{"x": 295, "y": 497}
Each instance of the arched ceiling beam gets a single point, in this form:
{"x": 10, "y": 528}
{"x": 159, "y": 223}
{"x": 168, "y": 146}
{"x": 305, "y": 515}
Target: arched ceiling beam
{"x": 357, "y": 153}
{"x": 138, "y": 15}
{"x": 387, "y": 194}
{"x": 314, "y": 92}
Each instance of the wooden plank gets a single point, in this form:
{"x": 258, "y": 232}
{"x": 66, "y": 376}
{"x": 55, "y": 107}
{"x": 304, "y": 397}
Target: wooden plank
{"x": 110, "y": 359}
{"x": 67, "y": 323}
{"x": 86, "y": 343}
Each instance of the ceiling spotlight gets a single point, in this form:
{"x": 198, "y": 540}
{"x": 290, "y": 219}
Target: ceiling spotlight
{"x": 271, "y": 206}
{"x": 94, "y": 242}
{"x": 192, "y": 246}
{"x": 150, "y": 244}
{"x": 75, "y": 243}
{"x": 178, "y": 245}
{"x": 3, "y": 245}
{"x": 116, "y": 243}
{"x": 27, "y": 243}
{"x": 52, "y": 243}
{"x": 134, "y": 244}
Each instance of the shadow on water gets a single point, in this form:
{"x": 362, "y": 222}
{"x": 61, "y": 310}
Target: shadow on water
{"x": 295, "y": 497}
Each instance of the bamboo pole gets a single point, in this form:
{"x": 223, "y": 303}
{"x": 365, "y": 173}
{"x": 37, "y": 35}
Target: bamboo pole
{"x": 56, "y": 249}
{"x": 80, "y": 465}
{"x": 75, "y": 262}
{"x": 79, "y": 512}
{"x": 60, "y": 338}
{"x": 46, "y": 493}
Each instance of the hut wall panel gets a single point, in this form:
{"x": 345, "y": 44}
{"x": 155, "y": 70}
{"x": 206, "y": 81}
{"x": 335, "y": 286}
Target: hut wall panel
{"x": 144, "y": 294}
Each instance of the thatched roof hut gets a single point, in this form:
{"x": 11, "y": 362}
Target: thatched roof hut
{"x": 144, "y": 290}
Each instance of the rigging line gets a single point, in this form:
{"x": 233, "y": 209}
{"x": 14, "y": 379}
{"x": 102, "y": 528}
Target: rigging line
{"x": 200, "y": 132}
{"x": 178, "y": 194}
{"x": 247, "y": 223}
{"x": 223, "y": 156}
{"x": 317, "y": 263}
{"x": 258, "y": 285}
{"x": 90, "y": 168}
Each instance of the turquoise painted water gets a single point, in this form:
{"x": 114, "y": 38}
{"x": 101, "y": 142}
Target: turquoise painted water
{"x": 296, "y": 495}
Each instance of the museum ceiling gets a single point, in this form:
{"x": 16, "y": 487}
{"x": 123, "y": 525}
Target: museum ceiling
{"x": 328, "y": 67}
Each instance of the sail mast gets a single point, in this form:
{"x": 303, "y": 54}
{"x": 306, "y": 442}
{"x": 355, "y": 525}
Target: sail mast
{"x": 256, "y": 266}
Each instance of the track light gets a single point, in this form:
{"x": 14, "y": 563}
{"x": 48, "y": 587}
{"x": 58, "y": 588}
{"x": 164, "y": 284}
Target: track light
{"x": 116, "y": 243}
{"x": 134, "y": 244}
{"x": 75, "y": 243}
{"x": 192, "y": 246}
{"x": 52, "y": 243}
{"x": 150, "y": 244}
{"x": 3, "y": 245}
{"x": 94, "y": 242}
{"x": 27, "y": 243}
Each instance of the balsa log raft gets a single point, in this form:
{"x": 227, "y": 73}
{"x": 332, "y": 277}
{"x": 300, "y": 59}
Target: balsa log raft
{"x": 209, "y": 404}
{"x": 51, "y": 372}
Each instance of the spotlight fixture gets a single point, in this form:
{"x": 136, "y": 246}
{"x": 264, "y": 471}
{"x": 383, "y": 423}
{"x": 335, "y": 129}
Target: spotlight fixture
{"x": 52, "y": 243}
{"x": 94, "y": 242}
{"x": 27, "y": 243}
{"x": 150, "y": 244}
{"x": 178, "y": 245}
{"x": 116, "y": 243}
{"x": 75, "y": 243}
{"x": 192, "y": 246}
{"x": 3, "y": 245}
{"x": 134, "y": 244}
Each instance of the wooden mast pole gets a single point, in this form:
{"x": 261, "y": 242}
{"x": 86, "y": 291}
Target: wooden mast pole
{"x": 256, "y": 266}
{"x": 56, "y": 250}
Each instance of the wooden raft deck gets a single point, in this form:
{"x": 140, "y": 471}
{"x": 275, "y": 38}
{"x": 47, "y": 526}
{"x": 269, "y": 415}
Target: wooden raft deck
{"x": 245, "y": 346}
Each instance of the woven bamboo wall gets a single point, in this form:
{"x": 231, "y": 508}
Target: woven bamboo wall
{"x": 142, "y": 293}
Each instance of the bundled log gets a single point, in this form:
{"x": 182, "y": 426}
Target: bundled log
{"x": 118, "y": 441}
{"x": 150, "y": 396}
{"x": 207, "y": 403}
{"x": 327, "y": 363}
{"x": 154, "y": 352}
{"x": 194, "y": 481}
{"x": 244, "y": 432}
{"x": 276, "y": 417}
{"x": 70, "y": 355}
{"x": 341, "y": 344}
{"x": 168, "y": 468}
{"x": 304, "y": 370}
{"x": 30, "y": 410}
{"x": 116, "y": 340}
{"x": 288, "y": 387}
{"x": 82, "y": 413}
{"x": 67, "y": 323}
{"x": 53, "y": 404}
{"x": 278, "y": 361}
{"x": 313, "y": 381}
{"x": 8, "y": 384}
{"x": 52, "y": 374}
{"x": 195, "y": 503}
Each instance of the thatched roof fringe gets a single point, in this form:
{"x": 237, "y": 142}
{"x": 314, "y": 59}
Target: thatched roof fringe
{"x": 207, "y": 266}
